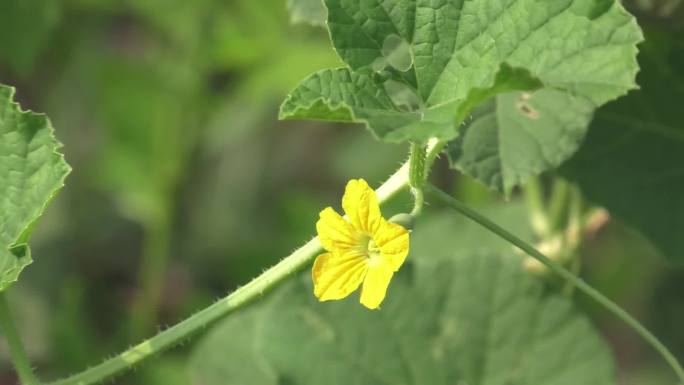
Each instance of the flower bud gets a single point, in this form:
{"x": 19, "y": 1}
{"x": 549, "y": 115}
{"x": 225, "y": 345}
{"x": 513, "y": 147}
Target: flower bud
{"x": 403, "y": 219}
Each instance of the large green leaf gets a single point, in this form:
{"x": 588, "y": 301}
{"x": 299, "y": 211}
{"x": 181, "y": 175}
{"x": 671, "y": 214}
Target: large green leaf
{"x": 475, "y": 318}
{"x": 517, "y": 135}
{"x": 343, "y": 88}
{"x": 31, "y": 172}
{"x": 444, "y": 52}
{"x": 633, "y": 159}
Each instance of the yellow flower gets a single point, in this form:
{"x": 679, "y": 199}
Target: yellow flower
{"x": 365, "y": 247}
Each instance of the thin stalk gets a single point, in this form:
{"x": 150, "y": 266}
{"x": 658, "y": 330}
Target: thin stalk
{"x": 579, "y": 283}
{"x": 534, "y": 196}
{"x": 418, "y": 201}
{"x": 16, "y": 347}
{"x": 575, "y": 268}
{"x": 254, "y": 290}
{"x": 573, "y": 233}
{"x": 152, "y": 270}
{"x": 558, "y": 204}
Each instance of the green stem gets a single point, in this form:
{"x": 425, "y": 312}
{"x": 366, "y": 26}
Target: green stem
{"x": 434, "y": 148}
{"x": 575, "y": 226}
{"x": 417, "y": 176}
{"x": 565, "y": 274}
{"x": 185, "y": 329}
{"x": 417, "y": 171}
{"x": 558, "y": 204}
{"x": 420, "y": 163}
{"x": 239, "y": 298}
{"x": 418, "y": 201}
{"x": 573, "y": 233}
{"x": 152, "y": 270}
{"x": 16, "y": 348}
{"x": 575, "y": 268}
{"x": 534, "y": 196}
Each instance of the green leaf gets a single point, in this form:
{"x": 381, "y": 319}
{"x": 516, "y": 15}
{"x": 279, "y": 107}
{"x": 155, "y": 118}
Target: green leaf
{"x": 444, "y": 52}
{"x": 633, "y": 159}
{"x": 385, "y": 108}
{"x": 31, "y": 172}
{"x": 353, "y": 97}
{"x": 517, "y": 135}
{"x": 474, "y": 318}
{"x": 307, "y": 11}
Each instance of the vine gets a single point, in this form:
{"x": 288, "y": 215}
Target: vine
{"x": 504, "y": 108}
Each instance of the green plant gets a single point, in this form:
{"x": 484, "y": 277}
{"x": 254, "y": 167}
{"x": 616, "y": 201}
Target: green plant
{"x": 508, "y": 91}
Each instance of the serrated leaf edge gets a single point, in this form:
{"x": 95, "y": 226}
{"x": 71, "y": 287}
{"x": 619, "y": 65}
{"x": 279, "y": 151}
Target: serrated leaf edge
{"x": 22, "y": 238}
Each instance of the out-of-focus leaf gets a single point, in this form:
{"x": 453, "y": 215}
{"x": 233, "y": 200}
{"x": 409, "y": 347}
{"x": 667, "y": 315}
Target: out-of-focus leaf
{"x": 467, "y": 237}
{"x": 448, "y": 53}
{"x": 25, "y": 29}
{"x": 151, "y": 116}
{"x": 31, "y": 172}
{"x": 220, "y": 35}
{"x": 30, "y": 310}
{"x": 660, "y": 8}
{"x": 307, "y": 11}
{"x": 209, "y": 362}
{"x": 168, "y": 370}
{"x": 476, "y": 317}
{"x": 633, "y": 159}
{"x": 518, "y": 135}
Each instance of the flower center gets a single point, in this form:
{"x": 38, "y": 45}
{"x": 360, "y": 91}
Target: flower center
{"x": 370, "y": 249}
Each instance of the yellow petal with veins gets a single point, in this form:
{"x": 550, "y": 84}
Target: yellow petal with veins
{"x": 335, "y": 233}
{"x": 376, "y": 282}
{"x": 393, "y": 241}
{"x": 335, "y": 276}
{"x": 361, "y": 206}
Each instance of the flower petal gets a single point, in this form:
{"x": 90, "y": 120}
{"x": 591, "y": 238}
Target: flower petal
{"x": 375, "y": 284}
{"x": 335, "y": 233}
{"x": 393, "y": 241}
{"x": 335, "y": 276}
{"x": 361, "y": 206}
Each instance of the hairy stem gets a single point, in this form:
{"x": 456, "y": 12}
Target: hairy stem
{"x": 417, "y": 172}
{"x": 564, "y": 273}
{"x": 420, "y": 163}
{"x": 185, "y": 329}
{"x": 417, "y": 176}
{"x": 16, "y": 348}
{"x": 254, "y": 290}
{"x": 434, "y": 148}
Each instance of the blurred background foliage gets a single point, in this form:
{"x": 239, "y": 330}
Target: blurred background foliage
{"x": 185, "y": 185}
